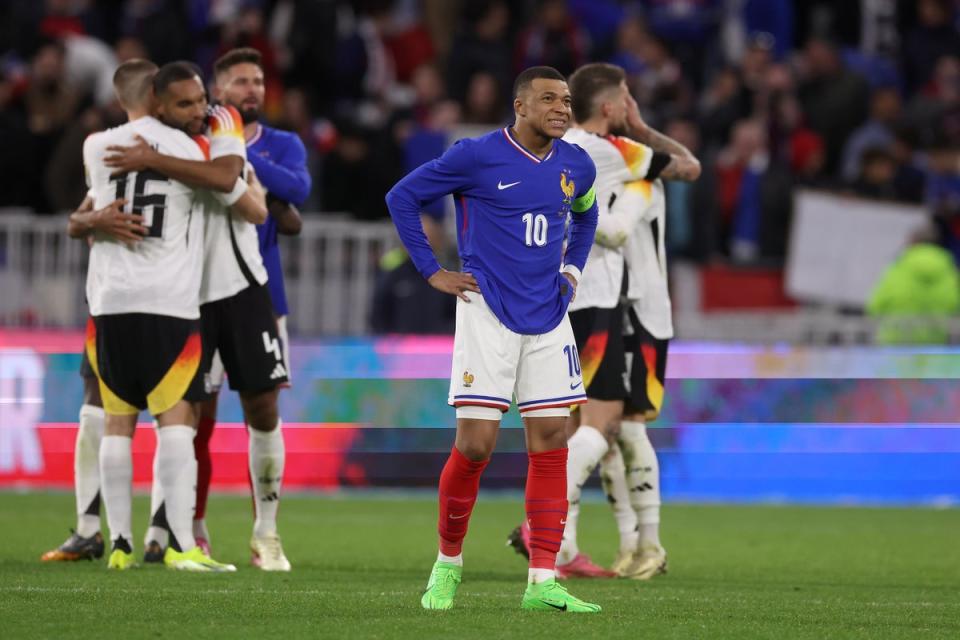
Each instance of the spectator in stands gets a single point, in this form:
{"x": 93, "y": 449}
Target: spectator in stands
{"x": 18, "y": 158}
{"x": 877, "y": 171}
{"x": 910, "y": 178}
{"x": 878, "y": 131}
{"x": 934, "y": 37}
{"x": 937, "y": 105}
{"x": 752, "y": 197}
{"x": 50, "y": 103}
{"x": 916, "y": 295}
{"x": 553, "y": 39}
{"x": 833, "y": 98}
{"x": 482, "y": 45}
{"x": 721, "y": 106}
{"x": 690, "y": 26}
{"x": 360, "y": 169}
{"x": 403, "y": 302}
{"x": 484, "y": 104}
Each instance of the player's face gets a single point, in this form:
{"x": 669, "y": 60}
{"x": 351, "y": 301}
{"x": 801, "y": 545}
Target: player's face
{"x": 241, "y": 86}
{"x": 184, "y": 106}
{"x": 546, "y": 107}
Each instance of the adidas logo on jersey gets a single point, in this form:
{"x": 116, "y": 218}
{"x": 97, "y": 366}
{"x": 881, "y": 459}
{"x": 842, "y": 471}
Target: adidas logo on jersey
{"x": 279, "y": 371}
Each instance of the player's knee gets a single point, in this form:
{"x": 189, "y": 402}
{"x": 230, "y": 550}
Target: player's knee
{"x": 475, "y": 451}
{"x": 611, "y": 431}
{"x": 260, "y": 410}
{"x": 91, "y": 392}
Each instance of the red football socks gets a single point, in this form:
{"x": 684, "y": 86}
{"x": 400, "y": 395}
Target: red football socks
{"x": 459, "y": 486}
{"x": 546, "y": 505}
{"x": 201, "y": 448}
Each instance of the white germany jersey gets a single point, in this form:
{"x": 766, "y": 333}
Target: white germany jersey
{"x": 232, "y": 260}
{"x": 645, "y": 253}
{"x": 160, "y": 274}
{"x": 618, "y": 161}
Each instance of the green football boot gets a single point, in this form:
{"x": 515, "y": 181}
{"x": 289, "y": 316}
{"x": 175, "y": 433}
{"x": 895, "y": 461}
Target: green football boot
{"x": 550, "y": 595}
{"x": 442, "y": 586}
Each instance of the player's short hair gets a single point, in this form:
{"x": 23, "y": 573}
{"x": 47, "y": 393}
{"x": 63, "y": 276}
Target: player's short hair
{"x": 527, "y": 76}
{"x": 588, "y": 82}
{"x": 234, "y": 57}
{"x": 133, "y": 81}
{"x": 175, "y": 72}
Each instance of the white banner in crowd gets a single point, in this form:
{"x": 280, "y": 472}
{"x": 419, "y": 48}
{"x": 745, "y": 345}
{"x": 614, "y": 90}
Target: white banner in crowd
{"x": 840, "y": 246}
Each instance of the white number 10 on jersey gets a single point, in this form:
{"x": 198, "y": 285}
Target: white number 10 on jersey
{"x": 536, "y": 229}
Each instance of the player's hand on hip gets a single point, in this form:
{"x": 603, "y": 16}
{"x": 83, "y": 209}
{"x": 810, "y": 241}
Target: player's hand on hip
{"x": 573, "y": 283}
{"x": 133, "y": 158}
{"x": 112, "y": 220}
{"x": 455, "y": 283}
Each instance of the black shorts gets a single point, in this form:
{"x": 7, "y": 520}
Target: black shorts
{"x": 243, "y": 329}
{"x": 145, "y": 361}
{"x": 646, "y": 359}
{"x": 86, "y": 371}
{"x": 598, "y": 333}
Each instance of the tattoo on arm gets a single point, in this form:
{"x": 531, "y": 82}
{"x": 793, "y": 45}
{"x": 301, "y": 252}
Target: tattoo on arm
{"x": 683, "y": 164}
{"x": 685, "y": 169}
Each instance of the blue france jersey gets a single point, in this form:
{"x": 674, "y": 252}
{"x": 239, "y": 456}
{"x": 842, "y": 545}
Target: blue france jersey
{"x": 280, "y": 160}
{"x": 512, "y": 208}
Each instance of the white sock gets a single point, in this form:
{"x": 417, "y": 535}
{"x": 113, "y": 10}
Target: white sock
{"x": 643, "y": 478}
{"x": 267, "y": 455}
{"x": 155, "y": 532}
{"x": 536, "y": 576}
{"x": 586, "y": 448}
{"x": 457, "y": 559}
{"x": 200, "y": 529}
{"x": 86, "y": 469}
{"x": 177, "y": 471}
{"x": 116, "y": 478}
{"x": 613, "y": 475}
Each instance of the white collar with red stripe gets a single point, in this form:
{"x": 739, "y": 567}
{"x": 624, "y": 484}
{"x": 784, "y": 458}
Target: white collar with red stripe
{"x": 519, "y": 147}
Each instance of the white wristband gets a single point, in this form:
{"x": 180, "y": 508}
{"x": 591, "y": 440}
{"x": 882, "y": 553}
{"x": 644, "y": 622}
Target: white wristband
{"x": 572, "y": 270}
{"x": 239, "y": 189}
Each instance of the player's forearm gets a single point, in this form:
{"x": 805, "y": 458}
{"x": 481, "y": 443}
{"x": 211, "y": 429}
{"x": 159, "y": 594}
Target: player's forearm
{"x": 683, "y": 164}
{"x": 80, "y": 224}
{"x": 289, "y": 221}
{"x": 219, "y": 174}
{"x": 291, "y": 185}
{"x": 583, "y": 229}
{"x": 251, "y": 207}
{"x": 405, "y": 211}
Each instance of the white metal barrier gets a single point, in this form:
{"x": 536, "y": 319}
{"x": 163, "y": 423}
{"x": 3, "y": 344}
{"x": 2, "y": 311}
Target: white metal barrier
{"x": 330, "y": 270}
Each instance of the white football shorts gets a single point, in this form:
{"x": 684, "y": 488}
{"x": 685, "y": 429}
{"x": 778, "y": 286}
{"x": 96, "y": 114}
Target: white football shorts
{"x": 492, "y": 365}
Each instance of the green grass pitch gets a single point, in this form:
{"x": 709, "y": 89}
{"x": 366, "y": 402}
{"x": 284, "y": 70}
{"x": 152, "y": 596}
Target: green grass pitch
{"x": 360, "y": 564}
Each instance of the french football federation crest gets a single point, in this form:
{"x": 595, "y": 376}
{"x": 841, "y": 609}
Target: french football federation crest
{"x": 568, "y": 187}
{"x": 467, "y": 378}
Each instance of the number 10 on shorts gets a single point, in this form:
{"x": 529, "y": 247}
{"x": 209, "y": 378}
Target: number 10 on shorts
{"x": 573, "y": 360}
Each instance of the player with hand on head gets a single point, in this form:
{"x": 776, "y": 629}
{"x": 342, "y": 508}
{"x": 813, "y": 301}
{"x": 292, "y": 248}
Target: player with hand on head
{"x": 514, "y": 190}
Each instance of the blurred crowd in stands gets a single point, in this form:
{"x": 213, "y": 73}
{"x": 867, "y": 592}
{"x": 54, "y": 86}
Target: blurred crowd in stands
{"x": 858, "y": 96}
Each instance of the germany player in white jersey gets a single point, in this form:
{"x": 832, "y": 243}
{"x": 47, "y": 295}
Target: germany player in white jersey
{"x": 626, "y": 167}
{"x": 143, "y": 340}
{"x": 238, "y": 322}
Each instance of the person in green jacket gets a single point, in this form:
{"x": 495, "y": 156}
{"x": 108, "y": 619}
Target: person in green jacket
{"x": 916, "y": 296}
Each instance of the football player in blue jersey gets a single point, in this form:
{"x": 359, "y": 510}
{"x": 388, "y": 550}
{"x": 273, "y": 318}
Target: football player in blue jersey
{"x": 515, "y": 190}
{"x": 280, "y": 161}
